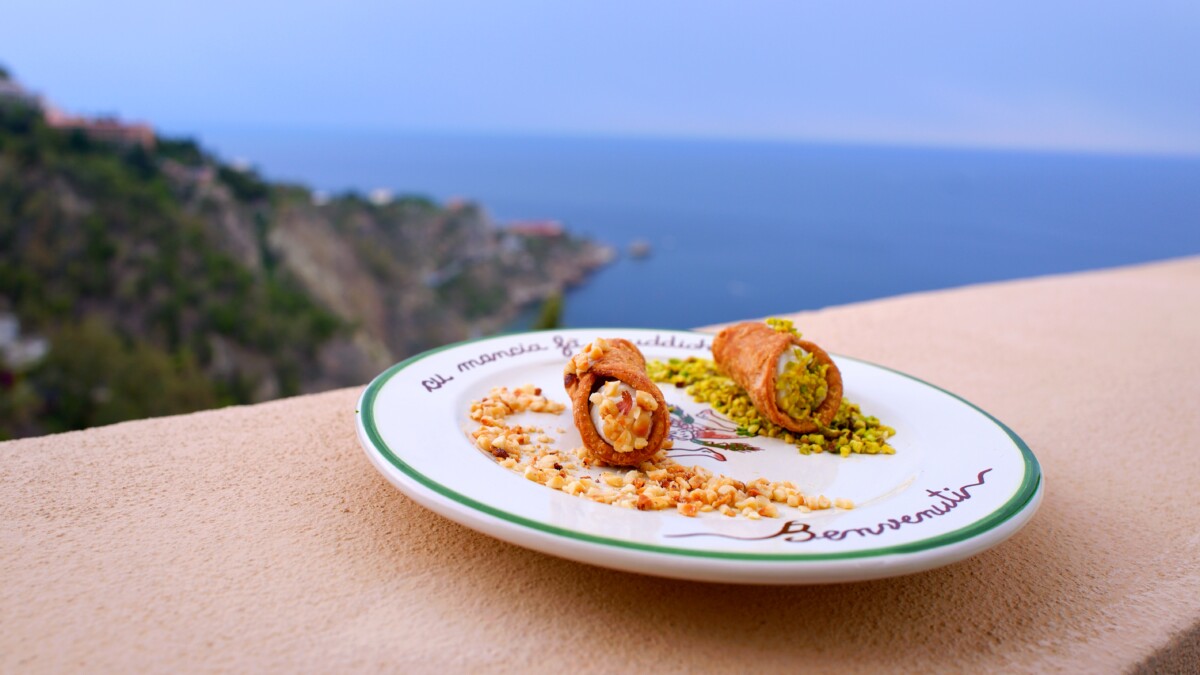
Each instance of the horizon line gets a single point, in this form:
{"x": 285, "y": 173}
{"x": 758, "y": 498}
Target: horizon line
{"x": 549, "y": 134}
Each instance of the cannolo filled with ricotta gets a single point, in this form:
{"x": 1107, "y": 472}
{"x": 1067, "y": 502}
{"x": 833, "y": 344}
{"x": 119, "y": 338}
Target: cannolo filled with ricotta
{"x": 619, "y": 411}
{"x": 792, "y": 382}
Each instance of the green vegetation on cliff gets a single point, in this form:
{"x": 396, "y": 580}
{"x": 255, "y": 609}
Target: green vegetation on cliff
{"x": 165, "y": 281}
{"x": 98, "y": 254}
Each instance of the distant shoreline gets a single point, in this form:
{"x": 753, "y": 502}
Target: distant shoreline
{"x": 748, "y": 229}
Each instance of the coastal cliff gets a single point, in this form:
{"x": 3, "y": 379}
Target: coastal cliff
{"x": 151, "y": 256}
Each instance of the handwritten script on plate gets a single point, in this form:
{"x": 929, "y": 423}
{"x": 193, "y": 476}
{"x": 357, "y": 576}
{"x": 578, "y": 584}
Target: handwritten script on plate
{"x": 566, "y": 346}
{"x": 799, "y": 532}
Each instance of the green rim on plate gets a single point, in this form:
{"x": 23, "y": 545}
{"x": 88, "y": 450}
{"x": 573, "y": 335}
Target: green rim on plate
{"x": 1029, "y": 485}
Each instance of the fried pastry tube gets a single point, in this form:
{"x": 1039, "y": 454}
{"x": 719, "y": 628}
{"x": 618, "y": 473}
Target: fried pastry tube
{"x": 620, "y": 413}
{"x": 765, "y": 363}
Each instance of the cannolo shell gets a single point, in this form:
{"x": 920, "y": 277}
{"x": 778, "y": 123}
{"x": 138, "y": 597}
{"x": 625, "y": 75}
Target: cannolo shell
{"x": 622, "y": 361}
{"x": 749, "y": 353}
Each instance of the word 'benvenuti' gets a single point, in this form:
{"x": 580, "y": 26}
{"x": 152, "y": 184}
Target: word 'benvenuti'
{"x": 799, "y": 532}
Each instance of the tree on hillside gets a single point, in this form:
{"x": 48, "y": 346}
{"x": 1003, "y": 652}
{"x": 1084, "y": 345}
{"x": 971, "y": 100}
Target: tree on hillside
{"x": 550, "y": 316}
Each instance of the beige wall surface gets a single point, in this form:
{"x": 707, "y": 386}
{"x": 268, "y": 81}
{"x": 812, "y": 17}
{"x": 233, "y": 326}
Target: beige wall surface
{"x": 261, "y": 538}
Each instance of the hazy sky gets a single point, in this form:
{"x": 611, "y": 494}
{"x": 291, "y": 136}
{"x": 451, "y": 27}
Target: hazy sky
{"x": 1113, "y": 76}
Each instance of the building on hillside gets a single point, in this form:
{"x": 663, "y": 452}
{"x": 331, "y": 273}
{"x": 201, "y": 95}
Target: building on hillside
{"x": 17, "y": 351}
{"x": 381, "y": 197}
{"x": 536, "y": 228}
{"x": 106, "y": 129}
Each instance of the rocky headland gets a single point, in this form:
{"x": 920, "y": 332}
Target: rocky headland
{"x": 125, "y": 252}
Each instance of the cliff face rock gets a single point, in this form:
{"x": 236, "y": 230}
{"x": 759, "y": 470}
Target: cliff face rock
{"x": 324, "y": 261}
{"x": 402, "y": 277}
{"x": 231, "y": 227}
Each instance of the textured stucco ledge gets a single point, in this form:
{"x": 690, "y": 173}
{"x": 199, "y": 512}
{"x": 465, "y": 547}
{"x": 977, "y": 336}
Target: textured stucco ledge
{"x": 261, "y": 538}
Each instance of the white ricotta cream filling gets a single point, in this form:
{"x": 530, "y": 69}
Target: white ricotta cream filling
{"x": 616, "y": 398}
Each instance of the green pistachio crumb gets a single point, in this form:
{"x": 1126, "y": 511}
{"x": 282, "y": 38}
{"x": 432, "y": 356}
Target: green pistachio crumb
{"x": 706, "y": 383}
{"x": 783, "y": 325}
{"x": 802, "y": 385}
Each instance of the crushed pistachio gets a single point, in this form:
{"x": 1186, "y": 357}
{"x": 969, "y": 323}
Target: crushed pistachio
{"x": 850, "y": 432}
{"x": 783, "y": 326}
{"x": 800, "y": 386}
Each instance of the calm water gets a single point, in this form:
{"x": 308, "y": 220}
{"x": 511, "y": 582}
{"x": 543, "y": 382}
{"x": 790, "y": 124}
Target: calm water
{"x": 744, "y": 229}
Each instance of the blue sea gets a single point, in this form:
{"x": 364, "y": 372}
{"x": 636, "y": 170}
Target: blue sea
{"x": 741, "y": 229}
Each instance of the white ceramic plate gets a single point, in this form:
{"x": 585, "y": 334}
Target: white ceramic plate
{"x": 960, "y": 481}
